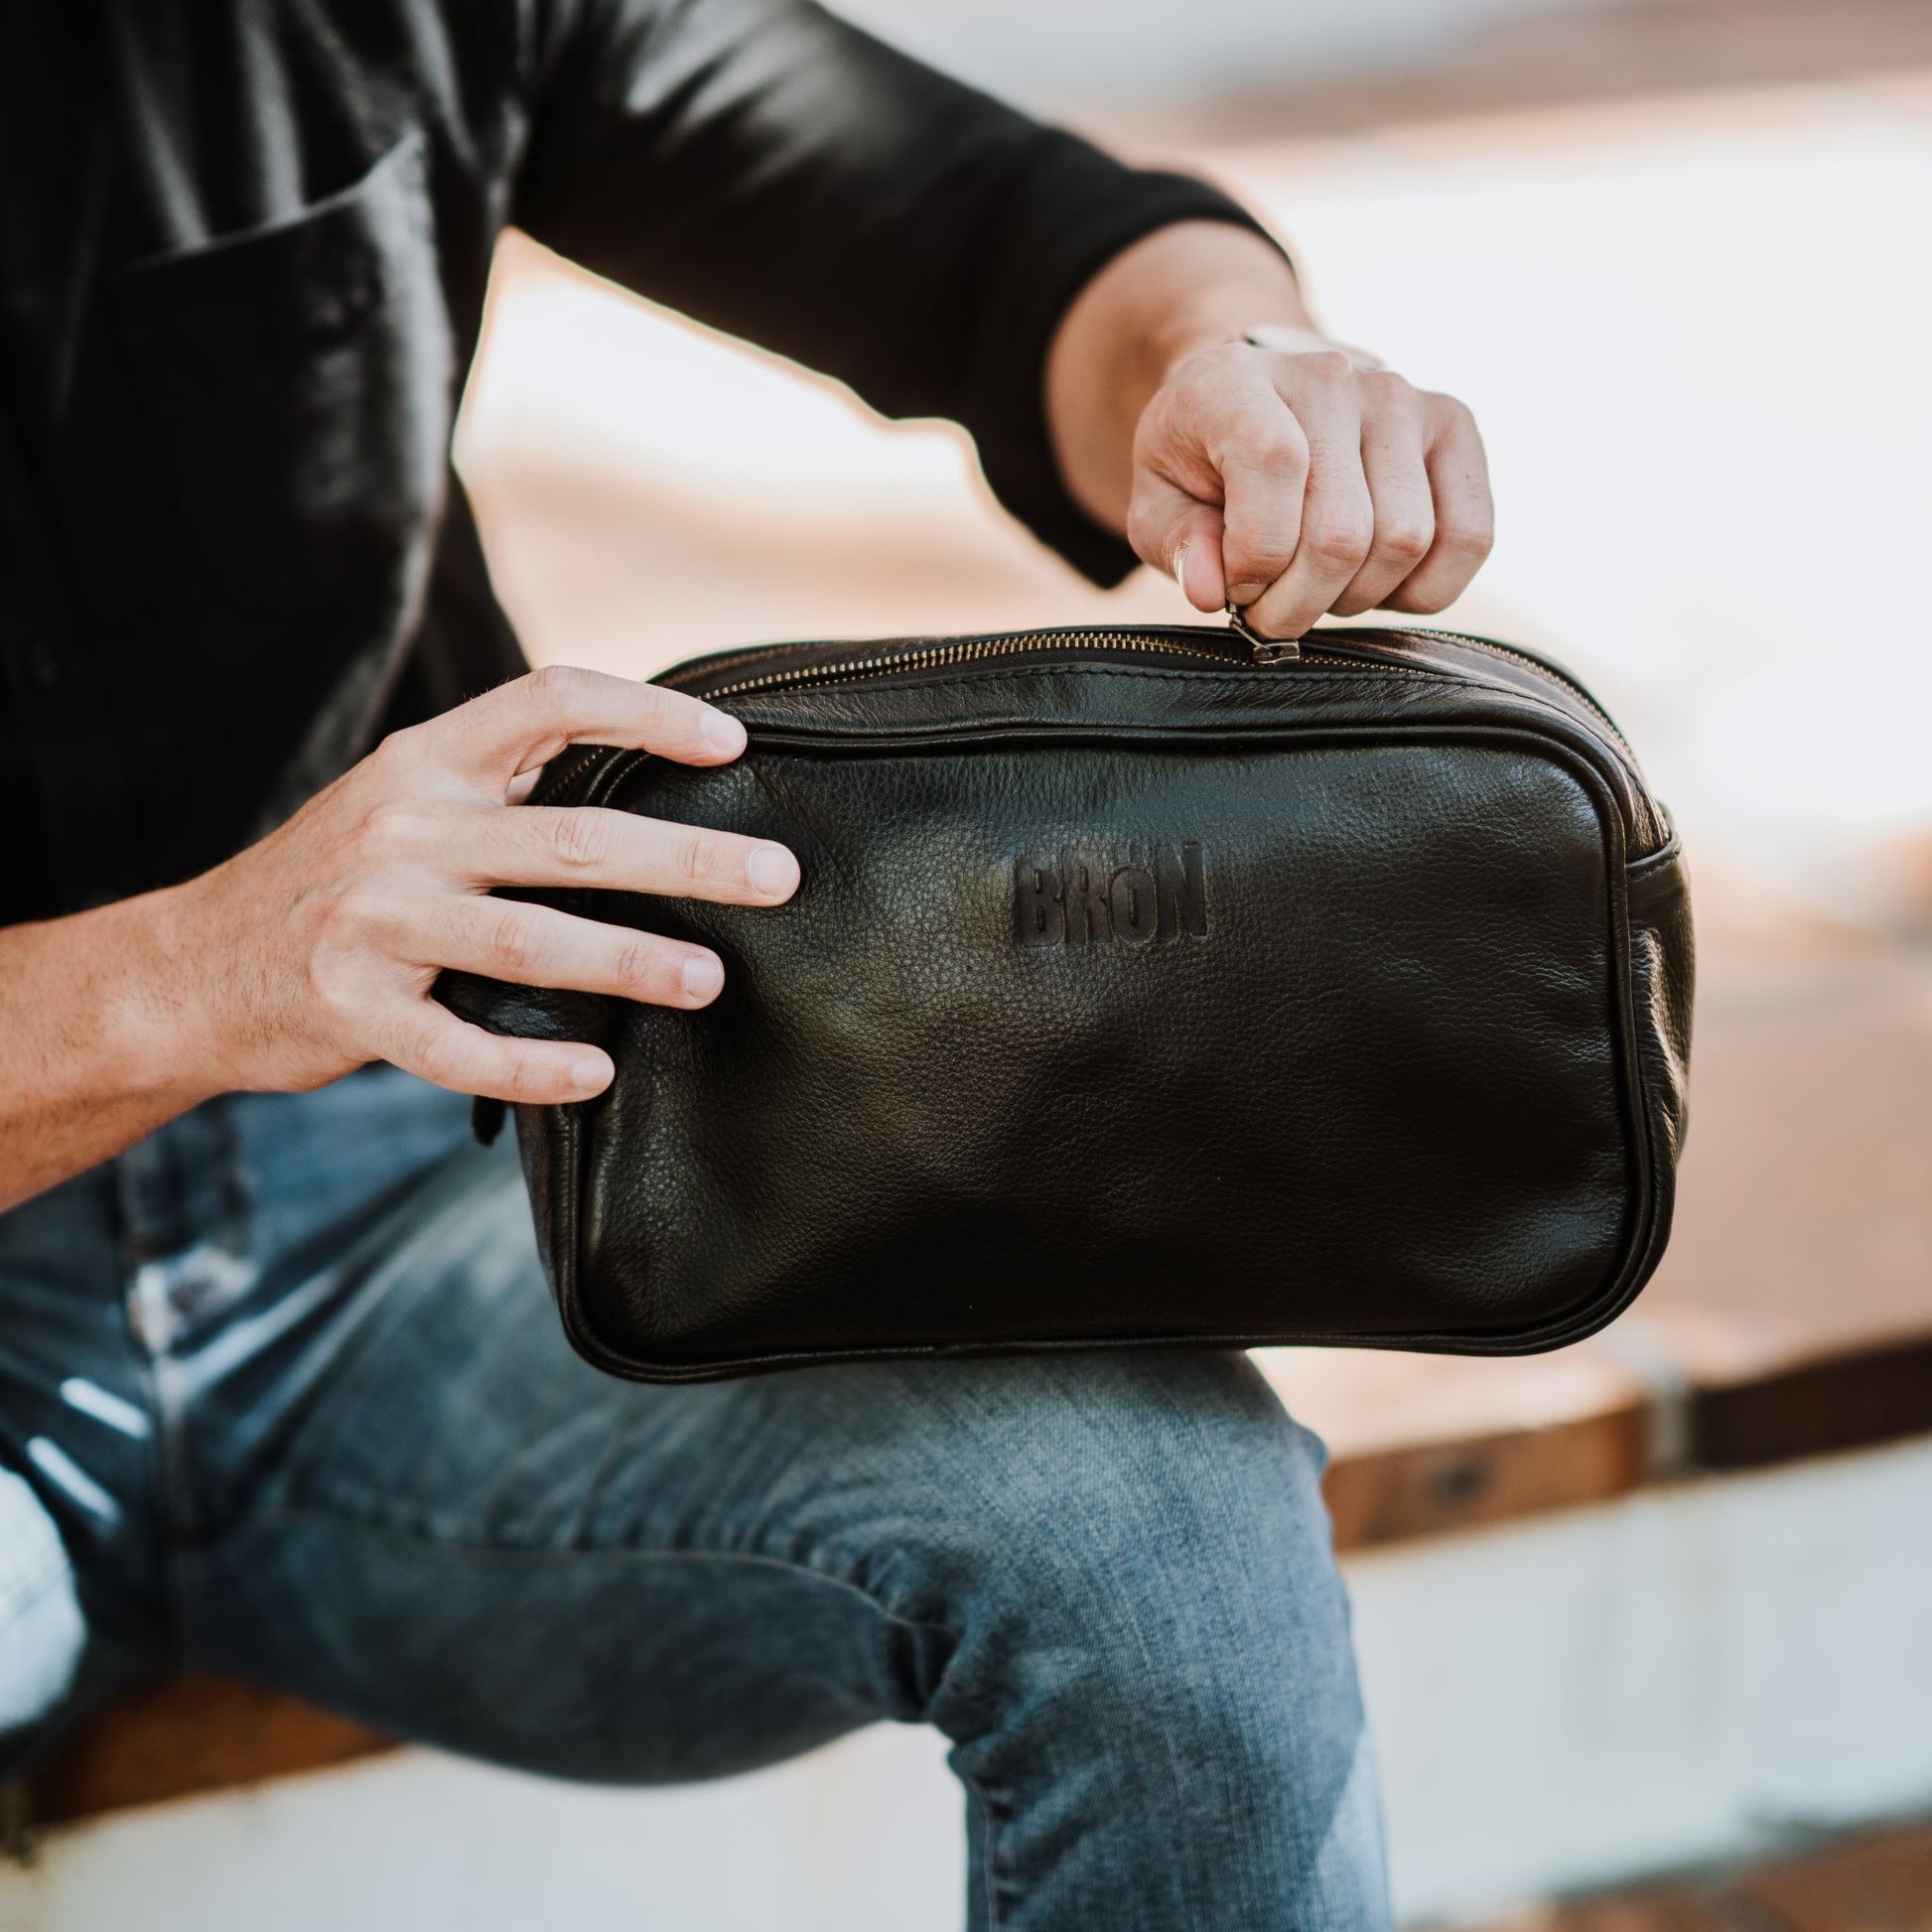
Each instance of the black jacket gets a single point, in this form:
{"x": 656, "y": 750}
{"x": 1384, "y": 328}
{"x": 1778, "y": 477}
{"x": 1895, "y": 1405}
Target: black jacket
{"x": 243, "y": 246}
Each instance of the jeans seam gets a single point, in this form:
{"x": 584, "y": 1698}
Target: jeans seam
{"x": 174, "y": 1536}
{"x": 989, "y": 1863}
{"x": 531, "y": 1552}
{"x": 652, "y": 1553}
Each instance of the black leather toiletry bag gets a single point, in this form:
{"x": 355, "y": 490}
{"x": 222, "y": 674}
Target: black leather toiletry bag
{"x": 1137, "y": 993}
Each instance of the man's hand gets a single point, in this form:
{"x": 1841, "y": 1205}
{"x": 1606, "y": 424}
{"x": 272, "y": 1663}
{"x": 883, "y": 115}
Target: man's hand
{"x": 315, "y": 950}
{"x": 1293, "y": 482}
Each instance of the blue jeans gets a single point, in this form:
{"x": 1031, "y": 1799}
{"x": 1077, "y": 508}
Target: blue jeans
{"x": 288, "y": 1381}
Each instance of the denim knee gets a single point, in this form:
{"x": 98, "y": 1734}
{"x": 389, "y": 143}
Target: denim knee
{"x": 1151, "y": 1624}
{"x": 1161, "y": 1512}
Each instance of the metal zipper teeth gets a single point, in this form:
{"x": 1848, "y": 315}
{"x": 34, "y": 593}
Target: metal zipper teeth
{"x": 940, "y": 656}
{"x": 969, "y": 650}
{"x": 559, "y": 772}
{"x": 936, "y": 656}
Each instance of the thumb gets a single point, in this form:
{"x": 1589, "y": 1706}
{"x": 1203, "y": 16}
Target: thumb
{"x": 1197, "y": 566}
{"x": 1181, "y": 535}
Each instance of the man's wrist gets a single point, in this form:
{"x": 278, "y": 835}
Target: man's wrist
{"x": 1288, "y": 338}
{"x": 96, "y": 1046}
{"x": 155, "y": 1039}
{"x": 1235, "y": 280}
{"x": 1184, "y": 289}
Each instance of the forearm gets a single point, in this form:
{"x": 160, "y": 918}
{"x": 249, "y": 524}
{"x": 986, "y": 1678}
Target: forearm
{"x": 1173, "y": 293}
{"x": 94, "y": 1047}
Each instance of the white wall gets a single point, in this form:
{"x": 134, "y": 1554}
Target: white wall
{"x": 1690, "y": 1674}
{"x": 1676, "y": 1677}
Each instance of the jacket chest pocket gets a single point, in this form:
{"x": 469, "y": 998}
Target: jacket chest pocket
{"x": 298, "y": 384}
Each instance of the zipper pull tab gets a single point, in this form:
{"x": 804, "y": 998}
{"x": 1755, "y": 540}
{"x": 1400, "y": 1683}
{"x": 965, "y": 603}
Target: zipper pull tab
{"x": 1264, "y": 650}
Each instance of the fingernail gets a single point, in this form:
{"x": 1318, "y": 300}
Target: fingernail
{"x": 703, "y": 977}
{"x": 1181, "y": 569}
{"x": 723, "y": 731}
{"x": 1245, "y": 593}
{"x": 770, "y": 870}
{"x": 588, "y": 1075}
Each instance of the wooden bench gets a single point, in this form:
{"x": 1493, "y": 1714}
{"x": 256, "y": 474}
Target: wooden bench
{"x": 1867, "y": 1883}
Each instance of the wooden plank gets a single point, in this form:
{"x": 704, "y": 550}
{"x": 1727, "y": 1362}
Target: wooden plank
{"x": 1794, "y": 1292}
{"x": 1666, "y": 1911}
{"x": 1857, "y": 1399}
{"x": 1543, "y": 78}
{"x": 1431, "y": 1444}
{"x": 1435, "y": 1488}
{"x": 190, "y": 1733}
{"x": 1879, "y": 1884}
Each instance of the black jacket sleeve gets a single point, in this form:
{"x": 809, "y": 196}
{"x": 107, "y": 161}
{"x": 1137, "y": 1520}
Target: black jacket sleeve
{"x": 779, "y": 174}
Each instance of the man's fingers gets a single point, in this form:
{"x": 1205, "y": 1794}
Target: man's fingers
{"x": 1300, "y": 483}
{"x": 1465, "y": 512}
{"x": 588, "y": 845}
{"x": 537, "y": 946}
{"x": 1264, "y": 455}
{"x": 1394, "y": 468}
{"x": 430, "y": 1042}
{"x": 1178, "y": 533}
{"x": 530, "y": 720}
{"x": 1336, "y": 522}
{"x": 1198, "y": 568}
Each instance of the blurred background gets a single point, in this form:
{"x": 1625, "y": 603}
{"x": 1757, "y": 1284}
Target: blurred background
{"x": 1647, "y": 1626}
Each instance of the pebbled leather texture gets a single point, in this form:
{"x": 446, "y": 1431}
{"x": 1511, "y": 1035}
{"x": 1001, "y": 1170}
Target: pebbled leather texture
{"x": 1133, "y": 994}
